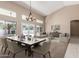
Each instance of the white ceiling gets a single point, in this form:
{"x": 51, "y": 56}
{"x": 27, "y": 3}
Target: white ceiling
{"x": 45, "y": 8}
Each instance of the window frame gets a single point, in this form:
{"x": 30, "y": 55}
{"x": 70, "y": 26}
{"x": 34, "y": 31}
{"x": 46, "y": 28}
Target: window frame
{"x": 7, "y": 12}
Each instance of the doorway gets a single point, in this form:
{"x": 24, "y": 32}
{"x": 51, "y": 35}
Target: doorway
{"x": 75, "y": 28}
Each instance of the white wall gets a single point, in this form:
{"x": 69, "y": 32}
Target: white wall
{"x": 62, "y": 18}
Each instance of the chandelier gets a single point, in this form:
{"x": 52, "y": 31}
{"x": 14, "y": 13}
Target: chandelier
{"x": 30, "y": 17}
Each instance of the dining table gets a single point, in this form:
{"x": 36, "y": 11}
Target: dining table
{"x": 29, "y": 43}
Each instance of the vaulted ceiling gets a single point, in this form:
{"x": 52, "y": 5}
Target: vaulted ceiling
{"x": 45, "y": 8}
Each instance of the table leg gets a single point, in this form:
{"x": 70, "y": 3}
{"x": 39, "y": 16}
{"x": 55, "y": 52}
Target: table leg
{"x": 29, "y": 51}
{"x": 19, "y": 43}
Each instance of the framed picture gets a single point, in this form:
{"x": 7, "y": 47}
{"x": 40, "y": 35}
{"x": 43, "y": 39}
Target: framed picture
{"x": 55, "y": 27}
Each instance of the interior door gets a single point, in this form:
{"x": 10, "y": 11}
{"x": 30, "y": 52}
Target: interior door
{"x": 75, "y": 28}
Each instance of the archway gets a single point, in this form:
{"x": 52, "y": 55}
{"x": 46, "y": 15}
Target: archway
{"x": 74, "y": 27}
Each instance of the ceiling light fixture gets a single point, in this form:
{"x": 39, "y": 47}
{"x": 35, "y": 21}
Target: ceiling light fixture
{"x": 30, "y": 17}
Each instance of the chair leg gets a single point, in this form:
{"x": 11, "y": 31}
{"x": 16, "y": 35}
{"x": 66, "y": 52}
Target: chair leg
{"x": 5, "y": 50}
{"x": 44, "y": 56}
{"x": 25, "y": 51}
{"x": 14, "y": 55}
{"x": 32, "y": 53}
{"x": 49, "y": 54}
{"x": 8, "y": 52}
{"x": 1, "y": 48}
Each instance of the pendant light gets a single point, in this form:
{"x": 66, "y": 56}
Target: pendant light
{"x": 30, "y": 17}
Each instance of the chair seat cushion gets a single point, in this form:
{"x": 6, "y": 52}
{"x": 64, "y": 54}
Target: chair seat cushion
{"x": 40, "y": 50}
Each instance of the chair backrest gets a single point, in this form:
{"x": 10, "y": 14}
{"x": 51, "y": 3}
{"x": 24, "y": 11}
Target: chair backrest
{"x": 11, "y": 46}
{"x": 4, "y": 42}
{"x": 46, "y": 45}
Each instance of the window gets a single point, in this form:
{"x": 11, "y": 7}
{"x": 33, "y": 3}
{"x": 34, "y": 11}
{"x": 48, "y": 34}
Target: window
{"x": 31, "y": 29}
{"x": 13, "y": 14}
{"x": 2, "y": 28}
{"x": 7, "y": 12}
{"x": 28, "y": 29}
{"x": 10, "y": 27}
{"x": 25, "y": 29}
{"x": 24, "y": 17}
{"x": 39, "y": 21}
{"x": 7, "y": 27}
{"x": 38, "y": 30}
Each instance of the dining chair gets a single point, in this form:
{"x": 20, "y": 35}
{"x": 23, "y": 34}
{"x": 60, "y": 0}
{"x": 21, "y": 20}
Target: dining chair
{"x": 3, "y": 44}
{"x": 43, "y": 50}
{"x": 14, "y": 48}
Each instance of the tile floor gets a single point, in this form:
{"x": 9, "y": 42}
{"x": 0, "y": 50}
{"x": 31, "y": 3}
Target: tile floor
{"x": 73, "y": 48}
